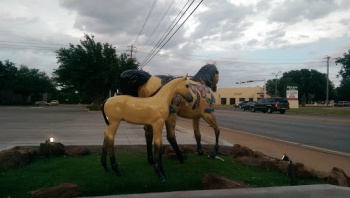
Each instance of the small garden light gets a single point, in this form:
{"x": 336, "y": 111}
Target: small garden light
{"x": 292, "y": 170}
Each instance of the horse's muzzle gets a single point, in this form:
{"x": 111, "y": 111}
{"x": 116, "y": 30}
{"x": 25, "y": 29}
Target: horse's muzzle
{"x": 189, "y": 97}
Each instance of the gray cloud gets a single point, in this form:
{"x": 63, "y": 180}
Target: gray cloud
{"x": 292, "y": 11}
{"x": 221, "y": 17}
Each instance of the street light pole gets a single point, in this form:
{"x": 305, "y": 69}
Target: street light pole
{"x": 327, "y": 86}
{"x": 276, "y": 82}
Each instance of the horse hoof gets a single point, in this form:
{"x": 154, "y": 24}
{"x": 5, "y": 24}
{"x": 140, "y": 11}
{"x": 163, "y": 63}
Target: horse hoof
{"x": 212, "y": 155}
{"x": 151, "y": 161}
{"x": 200, "y": 152}
{"x": 162, "y": 178}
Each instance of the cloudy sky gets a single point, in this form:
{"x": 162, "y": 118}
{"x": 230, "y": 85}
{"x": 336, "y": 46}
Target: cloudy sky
{"x": 248, "y": 40}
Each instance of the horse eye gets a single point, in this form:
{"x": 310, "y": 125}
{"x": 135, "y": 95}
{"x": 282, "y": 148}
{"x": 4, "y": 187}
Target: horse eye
{"x": 187, "y": 86}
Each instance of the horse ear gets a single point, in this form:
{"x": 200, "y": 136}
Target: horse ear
{"x": 185, "y": 76}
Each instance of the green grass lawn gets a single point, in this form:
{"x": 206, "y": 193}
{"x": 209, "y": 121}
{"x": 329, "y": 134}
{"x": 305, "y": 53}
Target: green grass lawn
{"x": 138, "y": 176}
{"x": 341, "y": 111}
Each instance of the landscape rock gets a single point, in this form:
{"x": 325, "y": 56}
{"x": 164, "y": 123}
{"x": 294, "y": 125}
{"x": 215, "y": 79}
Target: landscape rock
{"x": 214, "y": 181}
{"x": 53, "y": 148}
{"x": 249, "y": 157}
{"x": 73, "y": 151}
{"x": 66, "y": 190}
{"x": 12, "y": 159}
{"x": 338, "y": 177}
{"x": 240, "y": 151}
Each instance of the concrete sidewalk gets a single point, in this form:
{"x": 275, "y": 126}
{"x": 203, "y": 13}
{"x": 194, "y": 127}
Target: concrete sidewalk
{"x": 315, "y": 158}
{"x": 317, "y": 191}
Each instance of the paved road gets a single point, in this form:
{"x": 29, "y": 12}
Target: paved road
{"x": 329, "y": 132}
{"x": 68, "y": 124}
{"x": 33, "y": 125}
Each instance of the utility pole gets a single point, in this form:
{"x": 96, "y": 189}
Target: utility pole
{"x": 131, "y": 50}
{"x": 276, "y": 82}
{"x": 327, "y": 86}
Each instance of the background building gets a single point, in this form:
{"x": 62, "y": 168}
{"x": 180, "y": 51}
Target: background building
{"x": 231, "y": 96}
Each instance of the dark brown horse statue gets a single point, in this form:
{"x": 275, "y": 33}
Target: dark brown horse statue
{"x": 141, "y": 84}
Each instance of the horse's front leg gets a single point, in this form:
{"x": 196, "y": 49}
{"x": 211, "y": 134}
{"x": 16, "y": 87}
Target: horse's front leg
{"x": 211, "y": 120}
{"x": 170, "y": 124}
{"x": 158, "y": 162}
{"x": 197, "y": 135}
{"x": 149, "y": 138}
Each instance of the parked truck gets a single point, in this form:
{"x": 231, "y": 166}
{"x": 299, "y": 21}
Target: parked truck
{"x": 269, "y": 105}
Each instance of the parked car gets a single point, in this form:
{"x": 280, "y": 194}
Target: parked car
{"x": 42, "y": 103}
{"x": 342, "y": 104}
{"x": 239, "y": 105}
{"x": 269, "y": 105}
{"x": 54, "y": 102}
{"x": 248, "y": 105}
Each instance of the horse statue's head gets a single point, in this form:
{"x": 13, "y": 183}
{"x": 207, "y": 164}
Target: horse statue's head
{"x": 209, "y": 75}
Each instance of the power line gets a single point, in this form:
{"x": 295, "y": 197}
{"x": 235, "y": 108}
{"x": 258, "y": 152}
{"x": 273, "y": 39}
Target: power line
{"x": 35, "y": 43}
{"x": 174, "y": 32}
{"x": 159, "y": 25}
{"x": 167, "y": 32}
{"x": 149, "y": 13}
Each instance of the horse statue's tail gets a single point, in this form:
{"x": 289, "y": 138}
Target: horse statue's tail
{"x": 103, "y": 112}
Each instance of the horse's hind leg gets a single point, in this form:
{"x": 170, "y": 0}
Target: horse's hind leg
{"x": 211, "y": 120}
{"x": 197, "y": 135}
{"x": 149, "y": 138}
{"x": 158, "y": 162}
{"x": 104, "y": 154}
{"x": 170, "y": 129}
{"x": 109, "y": 146}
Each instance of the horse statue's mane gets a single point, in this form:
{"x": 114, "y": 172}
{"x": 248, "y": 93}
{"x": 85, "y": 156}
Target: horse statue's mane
{"x": 131, "y": 80}
{"x": 166, "y": 78}
{"x": 206, "y": 74}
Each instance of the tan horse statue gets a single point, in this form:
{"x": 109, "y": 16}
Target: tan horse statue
{"x": 142, "y": 84}
{"x": 152, "y": 111}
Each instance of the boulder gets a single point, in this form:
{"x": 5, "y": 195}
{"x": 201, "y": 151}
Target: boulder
{"x": 214, "y": 181}
{"x": 253, "y": 158}
{"x": 53, "y": 148}
{"x": 338, "y": 177}
{"x": 64, "y": 190}
{"x": 249, "y": 157}
{"x": 239, "y": 151}
{"x": 73, "y": 151}
{"x": 13, "y": 159}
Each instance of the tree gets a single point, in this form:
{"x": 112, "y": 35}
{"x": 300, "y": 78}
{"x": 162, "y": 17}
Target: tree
{"x": 91, "y": 68}
{"x": 31, "y": 82}
{"x": 7, "y": 73}
{"x": 343, "y": 91}
{"x": 311, "y": 85}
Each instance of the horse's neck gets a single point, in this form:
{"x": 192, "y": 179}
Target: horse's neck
{"x": 167, "y": 92}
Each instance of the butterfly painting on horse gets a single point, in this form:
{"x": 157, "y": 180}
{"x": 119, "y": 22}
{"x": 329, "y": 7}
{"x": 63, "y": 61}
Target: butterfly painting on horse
{"x": 150, "y": 111}
{"x": 141, "y": 84}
